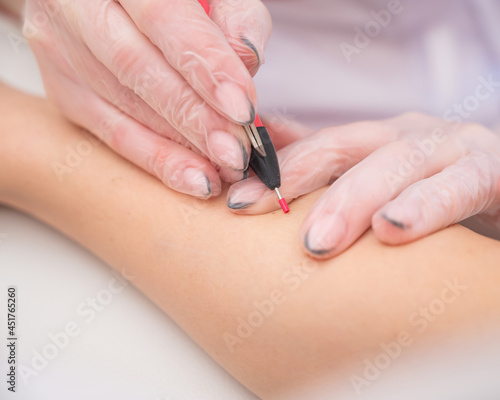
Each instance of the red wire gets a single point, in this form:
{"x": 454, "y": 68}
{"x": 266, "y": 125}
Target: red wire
{"x": 205, "y": 5}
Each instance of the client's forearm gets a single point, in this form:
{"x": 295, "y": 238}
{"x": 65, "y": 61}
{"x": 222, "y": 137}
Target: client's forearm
{"x": 240, "y": 286}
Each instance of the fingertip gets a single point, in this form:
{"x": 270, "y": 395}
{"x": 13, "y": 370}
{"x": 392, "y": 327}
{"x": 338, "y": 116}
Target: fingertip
{"x": 230, "y": 176}
{"x": 238, "y": 208}
{"x": 252, "y": 47}
{"x": 227, "y": 150}
{"x": 194, "y": 182}
{"x": 319, "y": 254}
{"x": 214, "y": 182}
{"x": 323, "y": 234}
{"x": 237, "y": 102}
{"x": 248, "y": 53}
{"x": 251, "y": 196}
{"x": 215, "y": 186}
{"x": 247, "y": 25}
{"x": 390, "y": 230}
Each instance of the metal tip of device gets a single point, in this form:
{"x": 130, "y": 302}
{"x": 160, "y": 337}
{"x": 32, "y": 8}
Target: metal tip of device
{"x": 278, "y": 193}
{"x": 255, "y": 140}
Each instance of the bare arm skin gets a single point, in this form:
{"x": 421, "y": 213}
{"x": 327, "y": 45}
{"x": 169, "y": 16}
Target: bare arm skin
{"x": 210, "y": 269}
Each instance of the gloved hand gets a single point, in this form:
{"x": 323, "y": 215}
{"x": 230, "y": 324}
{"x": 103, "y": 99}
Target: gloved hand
{"x": 160, "y": 82}
{"x": 407, "y": 177}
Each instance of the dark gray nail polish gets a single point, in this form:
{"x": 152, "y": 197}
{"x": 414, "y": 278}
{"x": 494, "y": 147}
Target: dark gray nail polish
{"x": 238, "y": 206}
{"x": 317, "y": 252}
{"x": 252, "y": 114}
{"x": 245, "y": 157}
{"x": 252, "y": 47}
{"x": 397, "y": 224}
{"x": 209, "y": 186}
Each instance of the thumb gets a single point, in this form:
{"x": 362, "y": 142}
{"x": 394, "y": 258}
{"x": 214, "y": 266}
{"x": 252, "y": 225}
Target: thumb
{"x": 247, "y": 26}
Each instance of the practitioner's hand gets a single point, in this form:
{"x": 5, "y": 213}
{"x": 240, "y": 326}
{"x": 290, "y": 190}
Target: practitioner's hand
{"x": 162, "y": 83}
{"x": 406, "y": 177}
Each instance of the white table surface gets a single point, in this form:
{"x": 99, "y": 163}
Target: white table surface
{"x": 130, "y": 350}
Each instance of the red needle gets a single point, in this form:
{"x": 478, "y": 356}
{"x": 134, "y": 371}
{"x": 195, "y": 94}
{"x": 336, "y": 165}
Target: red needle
{"x": 282, "y": 201}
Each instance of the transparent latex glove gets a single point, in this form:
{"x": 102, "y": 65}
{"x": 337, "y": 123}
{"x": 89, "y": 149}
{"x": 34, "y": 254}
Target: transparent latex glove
{"x": 406, "y": 177}
{"x": 161, "y": 82}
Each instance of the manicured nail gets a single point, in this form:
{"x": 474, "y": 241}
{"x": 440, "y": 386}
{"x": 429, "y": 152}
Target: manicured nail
{"x": 194, "y": 182}
{"x": 234, "y": 101}
{"x": 209, "y": 187}
{"x": 325, "y": 234}
{"x": 246, "y": 173}
{"x": 227, "y": 150}
{"x": 253, "y": 114}
{"x": 231, "y": 176}
{"x": 397, "y": 224}
{"x": 246, "y": 193}
{"x": 237, "y": 206}
{"x": 314, "y": 251}
{"x": 252, "y": 47}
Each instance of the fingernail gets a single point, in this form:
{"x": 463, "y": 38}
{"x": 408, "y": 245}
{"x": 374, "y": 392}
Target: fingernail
{"x": 252, "y": 47}
{"x": 227, "y": 150}
{"x": 246, "y": 173}
{"x": 397, "y": 224}
{"x": 325, "y": 234}
{"x": 234, "y": 101}
{"x": 195, "y": 183}
{"x": 231, "y": 176}
{"x": 312, "y": 250}
{"x": 237, "y": 206}
{"x": 245, "y": 193}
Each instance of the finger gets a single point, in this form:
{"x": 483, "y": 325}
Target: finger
{"x": 311, "y": 163}
{"x": 196, "y": 48}
{"x": 177, "y": 167}
{"x": 99, "y": 78}
{"x": 283, "y": 130}
{"x": 345, "y": 210}
{"x": 247, "y": 27}
{"x": 461, "y": 190}
{"x": 134, "y": 70}
{"x": 230, "y": 176}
